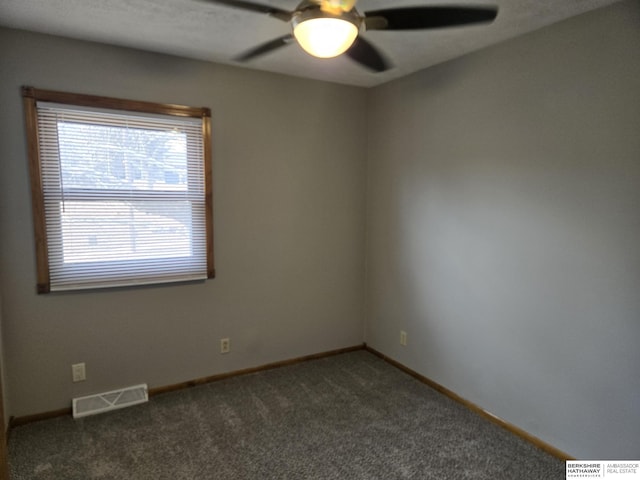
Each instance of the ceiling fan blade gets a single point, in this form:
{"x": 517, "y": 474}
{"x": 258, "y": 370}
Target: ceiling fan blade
{"x": 278, "y": 13}
{"x": 265, "y": 48}
{"x": 420, "y": 18}
{"x": 367, "y": 55}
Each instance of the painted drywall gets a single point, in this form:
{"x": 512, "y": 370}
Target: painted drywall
{"x": 3, "y": 394}
{"x": 4, "y": 417}
{"x": 503, "y": 228}
{"x": 289, "y": 192}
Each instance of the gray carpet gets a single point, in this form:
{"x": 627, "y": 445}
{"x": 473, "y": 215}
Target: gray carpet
{"x": 351, "y": 416}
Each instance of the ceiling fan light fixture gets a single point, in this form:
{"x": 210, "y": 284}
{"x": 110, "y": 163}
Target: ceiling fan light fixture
{"x": 324, "y": 35}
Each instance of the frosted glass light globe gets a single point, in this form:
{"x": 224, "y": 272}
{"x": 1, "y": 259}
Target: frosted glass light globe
{"x": 325, "y": 37}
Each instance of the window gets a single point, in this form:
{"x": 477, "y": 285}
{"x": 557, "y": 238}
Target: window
{"x": 121, "y": 191}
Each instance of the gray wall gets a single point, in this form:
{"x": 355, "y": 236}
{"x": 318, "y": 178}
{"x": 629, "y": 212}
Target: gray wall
{"x": 3, "y": 390}
{"x": 289, "y": 192}
{"x": 504, "y": 229}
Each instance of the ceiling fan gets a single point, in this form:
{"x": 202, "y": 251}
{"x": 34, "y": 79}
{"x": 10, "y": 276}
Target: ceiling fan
{"x": 328, "y": 28}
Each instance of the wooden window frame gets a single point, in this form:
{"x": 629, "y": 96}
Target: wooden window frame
{"x": 32, "y": 95}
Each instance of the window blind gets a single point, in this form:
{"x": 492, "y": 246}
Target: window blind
{"x": 124, "y": 196}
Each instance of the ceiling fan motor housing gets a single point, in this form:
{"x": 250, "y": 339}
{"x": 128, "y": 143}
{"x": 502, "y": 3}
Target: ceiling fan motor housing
{"x": 309, "y": 10}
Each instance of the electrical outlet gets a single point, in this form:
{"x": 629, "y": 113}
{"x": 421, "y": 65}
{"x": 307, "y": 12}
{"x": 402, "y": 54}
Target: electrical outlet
{"x": 403, "y": 338}
{"x": 225, "y": 345}
{"x": 78, "y": 372}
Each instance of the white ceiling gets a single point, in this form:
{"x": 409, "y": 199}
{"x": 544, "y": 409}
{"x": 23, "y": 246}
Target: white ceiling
{"x": 200, "y": 30}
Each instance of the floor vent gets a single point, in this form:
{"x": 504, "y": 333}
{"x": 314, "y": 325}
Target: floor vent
{"x": 107, "y": 401}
